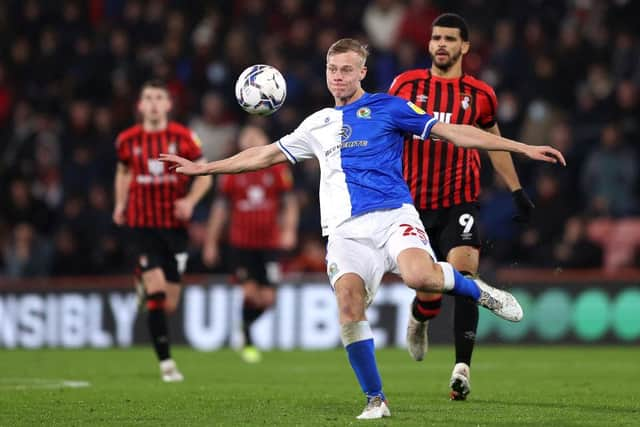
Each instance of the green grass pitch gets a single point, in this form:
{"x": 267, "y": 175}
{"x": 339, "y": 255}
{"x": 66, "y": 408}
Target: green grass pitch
{"x": 523, "y": 386}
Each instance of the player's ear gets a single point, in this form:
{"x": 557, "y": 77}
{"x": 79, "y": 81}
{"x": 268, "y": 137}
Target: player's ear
{"x": 465, "y": 47}
{"x": 363, "y": 72}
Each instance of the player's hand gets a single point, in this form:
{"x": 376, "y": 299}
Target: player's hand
{"x": 524, "y": 206}
{"x": 545, "y": 153}
{"x": 182, "y": 165}
{"x": 183, "y": 209}
{"x": 118, "y": 215}
{"x": 210, "y": 254}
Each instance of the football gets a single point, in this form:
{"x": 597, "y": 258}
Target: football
{"x": 261, "y": 90}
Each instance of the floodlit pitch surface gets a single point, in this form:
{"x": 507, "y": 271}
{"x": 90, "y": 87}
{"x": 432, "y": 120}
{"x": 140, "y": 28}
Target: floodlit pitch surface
{"x": 555, "y": 386}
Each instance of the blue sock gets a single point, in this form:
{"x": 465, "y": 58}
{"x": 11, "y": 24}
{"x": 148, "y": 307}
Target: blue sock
{"x": 464, "y": 286}
{"x": 363, "y": 361}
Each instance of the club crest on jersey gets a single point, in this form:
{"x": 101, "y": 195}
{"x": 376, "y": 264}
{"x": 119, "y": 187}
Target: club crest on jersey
{"x": 364, "y": 113}
{"x": 422, "y": 98}
{"x": 415, "y": 108}
{"x": 156, "y": 167}
{"x": 332, "y": 270}
{"x": 172, "y": 148}
{"x": 465, "y": 100}
{"x": 345, "y": 132}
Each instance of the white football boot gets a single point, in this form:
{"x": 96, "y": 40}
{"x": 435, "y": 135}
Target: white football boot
{"x": 500, "y": 302}
{"x": 417, "y": 338}
{"x": 460, "y": 382}
{"x": 376, "y": 408}
{"x": 169, "y": 372}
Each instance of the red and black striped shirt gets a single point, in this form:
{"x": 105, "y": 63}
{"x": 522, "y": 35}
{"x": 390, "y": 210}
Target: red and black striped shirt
{"x": 438, "y": 173}
{"x": 154, "y": 188}
{"x": 256, "y": 200}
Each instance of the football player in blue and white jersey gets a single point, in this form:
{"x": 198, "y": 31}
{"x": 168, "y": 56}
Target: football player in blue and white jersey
{"x": 366, "y": 208}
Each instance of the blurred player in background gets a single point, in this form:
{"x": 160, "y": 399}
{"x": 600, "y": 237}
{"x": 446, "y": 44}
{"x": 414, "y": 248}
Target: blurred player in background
{"x": 156, "y": 204}
{"x": 263, "y": 221}
{"x": 445, "y": 182}
{"x": 366, "y": 208}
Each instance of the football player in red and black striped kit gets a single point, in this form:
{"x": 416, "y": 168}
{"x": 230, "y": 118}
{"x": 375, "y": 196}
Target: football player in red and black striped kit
{"x": 156, "y": 204}
{"x": 445, "y": 181}
{"x": 262, "y": 215}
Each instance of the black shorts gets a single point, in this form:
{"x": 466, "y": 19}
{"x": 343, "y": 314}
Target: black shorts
{"x": 451, "y": 227}
{"x": 161, "y": 247}
{"x": 259, "y": 265}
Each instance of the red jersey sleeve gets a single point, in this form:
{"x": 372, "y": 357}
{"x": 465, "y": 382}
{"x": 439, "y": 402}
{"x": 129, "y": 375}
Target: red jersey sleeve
{"x": 123, "y": 150}
{"x": 488, "y": 104}
{"x": 285, "y": 178}
{"x": 396, "y": 83}
{"x": 192, "y": 146}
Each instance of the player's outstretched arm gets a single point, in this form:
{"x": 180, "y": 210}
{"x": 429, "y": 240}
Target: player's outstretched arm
{"x": 472, "y": 137}
{"x": 251, "y": 159}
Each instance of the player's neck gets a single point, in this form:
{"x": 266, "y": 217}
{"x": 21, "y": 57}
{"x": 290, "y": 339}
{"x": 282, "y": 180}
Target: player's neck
{"x": 453, "y": 72}
{"x": 341, "y": 102}
{"x": 154, "y": 125}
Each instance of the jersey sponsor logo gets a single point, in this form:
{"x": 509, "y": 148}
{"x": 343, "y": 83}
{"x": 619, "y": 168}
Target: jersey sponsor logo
{"x": 345, "y": 132}
{"x": 151, "y": 179}
{"x": 364, "y": 113}
{"x": 422, "y": 98}
{"x": 415, "y": 108}
{"x": 156, "y": 167}
{"x": 442, "y": 116}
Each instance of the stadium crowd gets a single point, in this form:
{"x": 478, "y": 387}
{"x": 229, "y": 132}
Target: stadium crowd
{"x": 566, "y": 73}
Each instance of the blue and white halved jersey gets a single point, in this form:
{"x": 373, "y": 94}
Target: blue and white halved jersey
{"x": 359, "y": 147}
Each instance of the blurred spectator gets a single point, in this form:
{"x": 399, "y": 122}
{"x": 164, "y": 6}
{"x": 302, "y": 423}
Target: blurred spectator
{"x": 22, "y": 208}
{"x": 415, "y": 25}
{"x": 610, "y": 175}
{"x": 69, "y": 258}
{"x": 381, "y": 20}
{"x": 311, "y": 258}
{"x": 498, "y": 230}
{"x": 547, "y": 221}
{"x": 575, "y": 249}
{"x": 25, "y": 253}
{"x": 6, "y": 96}
{"x": 215, "y": 127}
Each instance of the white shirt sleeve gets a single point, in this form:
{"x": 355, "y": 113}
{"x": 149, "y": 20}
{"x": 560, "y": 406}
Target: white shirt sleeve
{"x": 298, "y": 145}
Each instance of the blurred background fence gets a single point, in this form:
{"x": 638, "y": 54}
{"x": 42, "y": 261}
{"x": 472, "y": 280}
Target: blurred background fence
{"x": 568, "y": 308}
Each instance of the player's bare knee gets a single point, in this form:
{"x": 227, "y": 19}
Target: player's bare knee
{"x": 422, "y": 277}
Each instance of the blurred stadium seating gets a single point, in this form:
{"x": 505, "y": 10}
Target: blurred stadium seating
{"x": 566, "y": 73}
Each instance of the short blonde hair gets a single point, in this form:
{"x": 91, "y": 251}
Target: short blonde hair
{"x": 349, "y": 45}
